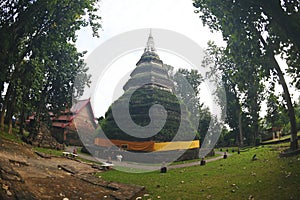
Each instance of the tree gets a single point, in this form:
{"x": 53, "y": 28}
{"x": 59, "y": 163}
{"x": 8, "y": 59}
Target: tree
{"x": 276, "y": 114}
{"x": 255, "y": 30}
{"x": 38, "y": 56}
{"x": 205, "y": 118}
{"x": 242, "y": 86}
{"x": 222, "y": 70}
{"x": 287, "y": 126}
{"x": 192, "y": 99}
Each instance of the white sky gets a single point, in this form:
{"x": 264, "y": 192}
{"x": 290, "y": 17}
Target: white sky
{"x": 119, "y": 16}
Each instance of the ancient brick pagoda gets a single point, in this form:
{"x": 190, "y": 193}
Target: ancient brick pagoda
{"x": 149, "y": 84}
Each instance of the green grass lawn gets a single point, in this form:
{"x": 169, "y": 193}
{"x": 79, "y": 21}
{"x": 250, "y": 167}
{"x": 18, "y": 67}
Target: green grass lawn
{"x": 237, "y": 177}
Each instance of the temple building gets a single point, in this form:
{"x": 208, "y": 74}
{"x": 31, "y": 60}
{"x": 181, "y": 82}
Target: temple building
{"x": 149, "y": 84}
{"x": 64, "y": 127}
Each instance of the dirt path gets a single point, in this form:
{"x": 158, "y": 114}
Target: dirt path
{"x": 26, "y": 176}
{"x": 198, "y": 162}
{"x": 131, "y": 166}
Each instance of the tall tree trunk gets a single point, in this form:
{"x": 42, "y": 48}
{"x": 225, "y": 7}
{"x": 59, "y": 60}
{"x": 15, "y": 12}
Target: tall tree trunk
{"x": 239, "y": 116}
{"x": 10, "y": 126}
{"x": 287, "y": 96}
{"x": 255, "y": 127}
{"x": 255, "y": 108}
{"x": 23, "y": 111}
{"x": 240, "y": 128}
{"x": 5, "y": 105}
{"x": 291, "y": 110}
{"x": 2, "y": 118}
{"x": 10, "y": 111}
{"x": 22, "y": 120}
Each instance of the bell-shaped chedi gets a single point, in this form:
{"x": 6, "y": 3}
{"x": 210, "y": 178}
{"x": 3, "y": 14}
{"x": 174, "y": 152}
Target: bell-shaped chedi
{"x": 148, "y": 114}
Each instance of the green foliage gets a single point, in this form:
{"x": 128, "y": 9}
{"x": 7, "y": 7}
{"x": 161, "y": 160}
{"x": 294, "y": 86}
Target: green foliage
{"x": 276, "y": 113}
{"x": 227, "y": 138}
{"x": 287, "y": 125}
{"x": 255, "y": 31}
{"x": 38, "y": 56}
{"x": 192, "y": 98}
{"x": 242, "y": 87}
{"x": 205, "y": 118}
{"x": 189, "y": 93}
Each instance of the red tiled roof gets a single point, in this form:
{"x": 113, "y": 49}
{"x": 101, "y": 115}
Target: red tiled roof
{"x": 79, "y": 105}
{"x": 66, "y": 115}
{"x": 31, "y": 117}
{"x": 64, "y": 118}
{"x": 60, "y": 124}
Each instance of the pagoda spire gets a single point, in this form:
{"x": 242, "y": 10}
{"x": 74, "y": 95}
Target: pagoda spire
{"x": 150, "y": 43}
{"x": 150, "y": 54}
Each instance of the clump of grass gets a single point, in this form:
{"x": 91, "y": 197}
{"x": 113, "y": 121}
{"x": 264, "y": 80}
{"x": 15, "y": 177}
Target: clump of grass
{"x": 51, "y": 152}
{"x": 13, "y": 137}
